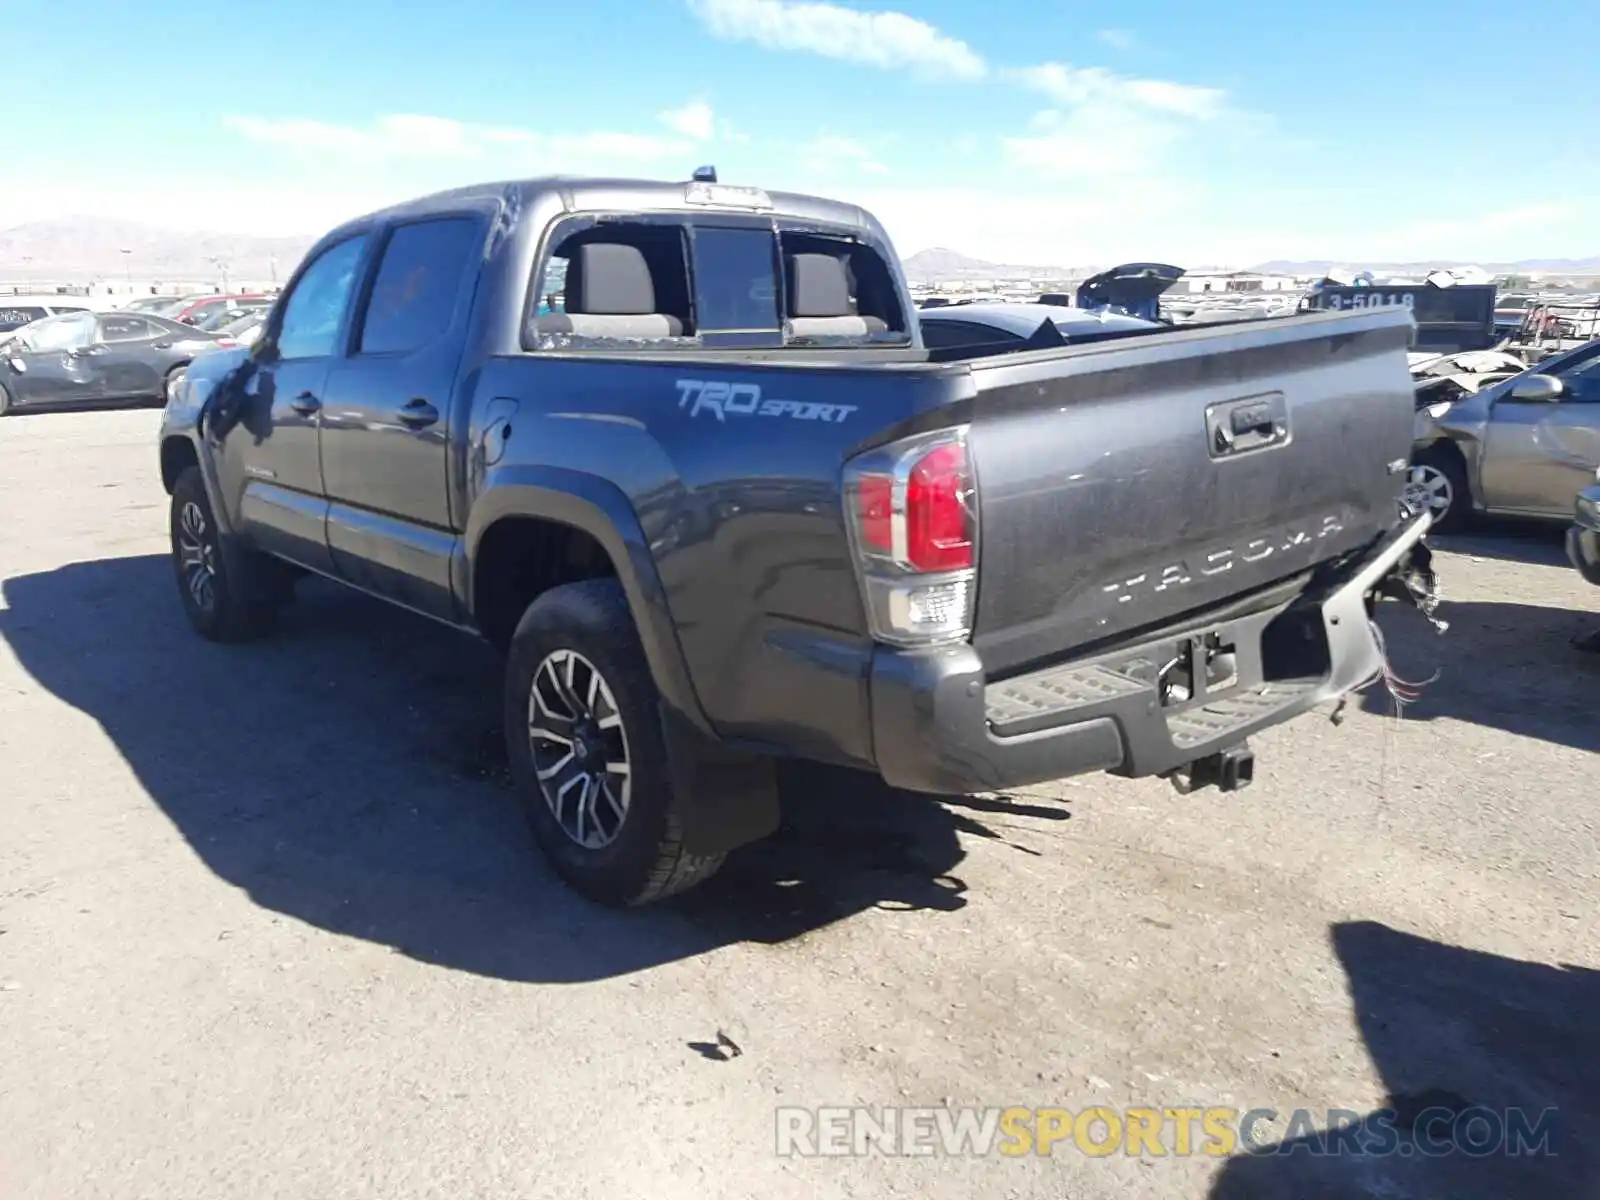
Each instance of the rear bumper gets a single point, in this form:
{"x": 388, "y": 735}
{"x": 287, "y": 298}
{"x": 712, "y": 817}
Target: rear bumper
{"x": 1583, "y": 537}
{"x": 940, "y": 726}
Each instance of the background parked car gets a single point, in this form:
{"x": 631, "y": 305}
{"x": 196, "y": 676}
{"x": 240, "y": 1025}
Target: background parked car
{"x": 1524, "y": 446}
{"x": 245, "y": 329}
{"x": 17, "y": 311}
{"x": 151, "y": 304}
{"x": 89, "y": 358}
{"x": 228, "y": 314}
{"x": 198, "y": 308}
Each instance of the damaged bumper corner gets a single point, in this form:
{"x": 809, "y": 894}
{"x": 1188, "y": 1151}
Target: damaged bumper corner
{"x": 941, "y": 725}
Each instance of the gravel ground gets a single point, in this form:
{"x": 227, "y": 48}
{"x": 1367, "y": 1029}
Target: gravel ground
{"x": 270, "y": 926}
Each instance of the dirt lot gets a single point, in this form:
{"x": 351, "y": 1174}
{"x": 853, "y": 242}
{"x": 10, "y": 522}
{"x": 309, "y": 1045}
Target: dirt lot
{"x": 270, "y": 926}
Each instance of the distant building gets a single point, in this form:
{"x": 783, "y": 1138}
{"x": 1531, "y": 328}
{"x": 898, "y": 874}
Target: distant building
{"x": 1202, "y": 282}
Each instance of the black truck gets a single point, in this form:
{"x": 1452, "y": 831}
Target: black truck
{"x": 678, "y": 450}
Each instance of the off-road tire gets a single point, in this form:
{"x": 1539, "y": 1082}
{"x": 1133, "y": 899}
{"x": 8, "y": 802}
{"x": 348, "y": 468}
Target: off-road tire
{"x": 247, "y": 589}
{"x": 5, "y": 400}
{"x": 646, "y": 860}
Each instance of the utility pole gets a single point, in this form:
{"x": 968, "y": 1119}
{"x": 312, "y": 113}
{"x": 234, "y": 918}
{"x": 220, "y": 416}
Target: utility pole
{"x": 127, "y": 268}
{"x": 27, "y": 271}
{"x": 222, "y": 266}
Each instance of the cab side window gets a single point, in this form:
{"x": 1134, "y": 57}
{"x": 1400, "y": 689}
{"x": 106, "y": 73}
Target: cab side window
{"x": 419, "y": 280}
{"x": 314, "y": 311}
{"x": 122, "y": 328}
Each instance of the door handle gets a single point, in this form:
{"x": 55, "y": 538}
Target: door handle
{"x": 418, "y": 414}
{"x": 305, "y": 404}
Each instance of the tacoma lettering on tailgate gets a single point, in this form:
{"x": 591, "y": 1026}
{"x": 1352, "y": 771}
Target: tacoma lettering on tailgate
{"x": 1221, "y": 561}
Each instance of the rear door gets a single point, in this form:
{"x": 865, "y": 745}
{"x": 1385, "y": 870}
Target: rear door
{"x": 387, "y": 414}
{"x": 125, "y": 356}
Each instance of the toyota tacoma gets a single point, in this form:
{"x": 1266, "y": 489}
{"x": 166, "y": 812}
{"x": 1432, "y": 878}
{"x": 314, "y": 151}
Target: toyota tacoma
{"x": 679, "y": 451}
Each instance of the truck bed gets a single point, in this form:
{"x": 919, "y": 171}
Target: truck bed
{"x": 1103, "y": 512}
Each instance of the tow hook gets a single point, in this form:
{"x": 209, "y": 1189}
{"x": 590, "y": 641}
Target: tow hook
{"x": 1228, "y": 770}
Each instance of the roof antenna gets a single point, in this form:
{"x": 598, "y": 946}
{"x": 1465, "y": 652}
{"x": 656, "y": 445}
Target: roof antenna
{"x": 705, "y": 174}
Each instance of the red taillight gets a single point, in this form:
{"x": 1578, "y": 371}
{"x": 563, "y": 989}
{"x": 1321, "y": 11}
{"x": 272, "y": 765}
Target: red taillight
{"x": 876, "y": 500}
{"x": 913, "y": 511}
{"x": 227, "y": 344}
{"x": 934, "y": 531}
{"x": 938, "y": 511}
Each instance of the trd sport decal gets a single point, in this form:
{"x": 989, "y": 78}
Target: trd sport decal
{"x": 744, "y": 400}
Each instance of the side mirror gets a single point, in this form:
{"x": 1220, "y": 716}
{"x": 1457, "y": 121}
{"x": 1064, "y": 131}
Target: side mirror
{"x": 1538, "y": 389}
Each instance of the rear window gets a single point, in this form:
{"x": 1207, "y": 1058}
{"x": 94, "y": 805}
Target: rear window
{"x": 735, "y": 277}
{"x": 613, "y": 283}
{"x": 718, "y": 283}
{"x": 871, "y": 291}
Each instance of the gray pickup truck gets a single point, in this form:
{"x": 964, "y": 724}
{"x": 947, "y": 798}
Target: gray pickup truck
{"x": 678, "y": 450}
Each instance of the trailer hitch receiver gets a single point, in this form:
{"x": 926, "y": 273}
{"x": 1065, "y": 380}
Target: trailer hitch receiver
{"x": 1228, "y": 770}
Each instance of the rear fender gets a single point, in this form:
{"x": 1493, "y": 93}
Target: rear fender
{"x": 729, "y": 796}
{"x": 601, "y": 510}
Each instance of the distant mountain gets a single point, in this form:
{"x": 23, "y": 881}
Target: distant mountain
{"x": 938, "y": 263}
{"x": 78, "y": 249}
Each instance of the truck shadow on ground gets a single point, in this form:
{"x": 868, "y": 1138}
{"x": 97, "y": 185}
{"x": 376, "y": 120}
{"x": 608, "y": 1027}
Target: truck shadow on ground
{"x": 1459, "y": 1038}
{"x": 350, "y": 773}
{"x": 1503, "y": 666}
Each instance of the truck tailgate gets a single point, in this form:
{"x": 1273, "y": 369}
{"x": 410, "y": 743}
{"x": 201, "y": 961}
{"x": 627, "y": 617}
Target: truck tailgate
{"x": 1125, "y": 483}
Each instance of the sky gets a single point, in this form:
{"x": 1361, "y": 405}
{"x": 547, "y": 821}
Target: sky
{"x": 1062, "y": 132}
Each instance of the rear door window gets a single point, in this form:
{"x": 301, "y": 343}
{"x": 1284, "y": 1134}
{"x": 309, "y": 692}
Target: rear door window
{"x": 419, "y": 281}
{"x": 736, "y": 281}
{"x": 124, "y": 328}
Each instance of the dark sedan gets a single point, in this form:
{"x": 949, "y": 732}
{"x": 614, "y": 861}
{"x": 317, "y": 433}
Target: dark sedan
{"x": 97, "y": 358}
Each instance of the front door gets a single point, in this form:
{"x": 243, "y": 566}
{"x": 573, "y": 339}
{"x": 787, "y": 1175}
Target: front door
{"x": 388, "y": 412}
{"x": 1539, "y": 455}
{"x": 269, "y": 466}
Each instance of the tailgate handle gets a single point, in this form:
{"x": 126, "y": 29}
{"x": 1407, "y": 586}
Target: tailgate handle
{"x": 1257, "y": 418}
{"x": 1252, "y": 423}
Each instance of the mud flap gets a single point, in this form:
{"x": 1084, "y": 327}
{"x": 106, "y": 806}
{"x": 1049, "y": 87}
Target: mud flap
{"x": 727, "y": 798}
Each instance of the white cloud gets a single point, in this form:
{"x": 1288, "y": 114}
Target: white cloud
{"x": 890, "y": 40}
{"x": 1094, "y": 141}
{"x": 1082, "y": 85}
{"x": 407, "y": 136}
{"x": 1117, "y": 39}
{"x": 1106, "y": 124}
{"x": 695, "y": 120}
{"x": 829, "y": 153}
{"x": 1037, "y": 227}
